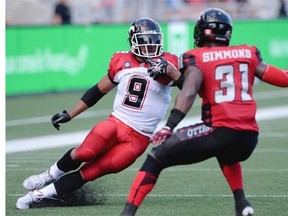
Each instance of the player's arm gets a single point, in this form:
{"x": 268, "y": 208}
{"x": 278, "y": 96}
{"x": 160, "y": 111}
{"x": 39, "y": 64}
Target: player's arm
{"x": 175, "y": 75}
{"x": 272, "y": 75}
{"x": 186, "y": 97}
{"x": 183, "y": 103}
{"x": 90, "y": 98}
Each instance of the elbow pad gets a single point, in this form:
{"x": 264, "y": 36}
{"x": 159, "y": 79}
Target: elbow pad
{"x": 276, "y": 76}
{"x": 92, "y": 96}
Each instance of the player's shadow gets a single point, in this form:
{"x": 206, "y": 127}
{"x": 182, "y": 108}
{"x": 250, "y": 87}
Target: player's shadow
{"x": 93, "y": 194}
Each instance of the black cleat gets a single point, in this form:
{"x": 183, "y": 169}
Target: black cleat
{"x": 129, "y": 210}
{"x": 243, "y": 208}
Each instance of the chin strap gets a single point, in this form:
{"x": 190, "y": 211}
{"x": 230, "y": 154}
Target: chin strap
{"x": 276, "y": 76}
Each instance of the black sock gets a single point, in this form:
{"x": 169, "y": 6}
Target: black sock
{"x": 69, "y": 183}
{"x": 66, "y": 163}
{"x": 238, "y": 194}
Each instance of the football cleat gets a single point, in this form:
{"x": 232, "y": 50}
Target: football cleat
{"x": 30, "y": 198}
{"x": 129, "y": 210}
{"x": 38, "y": 181}
{"x": 243, "y": 208}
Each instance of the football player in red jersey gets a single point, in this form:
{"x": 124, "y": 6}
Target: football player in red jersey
{"x": 223, "y": 77}
{"x": 115, "y": 143}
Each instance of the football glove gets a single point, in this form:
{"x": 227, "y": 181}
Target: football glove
{"x": 161, "y": 135}
{"x": 157, "y": 68}
{"x": 60, "y": 118}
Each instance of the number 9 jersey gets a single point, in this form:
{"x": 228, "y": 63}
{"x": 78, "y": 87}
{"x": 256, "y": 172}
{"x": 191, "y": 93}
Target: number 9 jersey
{"x": 140, "y": 101}
{"x": 228, "y": 77}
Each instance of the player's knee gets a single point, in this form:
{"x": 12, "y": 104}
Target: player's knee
{"x": 122, "y": 159}
{"x": 91, "y": 174}
{"x": 85, "y": 154}
{"x": 160, "y": 152}
{"x": 151, "y": 165}
{"x": 100, "y": 138}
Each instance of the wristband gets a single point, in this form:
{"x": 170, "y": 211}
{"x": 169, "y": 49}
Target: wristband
{"x": 175, "y": 117}
{"x": 179, "y": 82}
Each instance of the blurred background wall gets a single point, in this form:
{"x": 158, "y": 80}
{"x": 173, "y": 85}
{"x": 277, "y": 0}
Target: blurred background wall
{"x": 40, "y": 12}
{"x": 43, "y": 56}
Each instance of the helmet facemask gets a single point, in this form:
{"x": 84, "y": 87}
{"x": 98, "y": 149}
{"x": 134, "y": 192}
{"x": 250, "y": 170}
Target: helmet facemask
{"x": 147, "y": 45}
{"x": 146, "y": 38}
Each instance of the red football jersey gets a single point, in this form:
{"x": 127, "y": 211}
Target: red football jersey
{"x": 228, "y": 77}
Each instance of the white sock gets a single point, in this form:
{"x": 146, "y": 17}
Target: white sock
{"x": 55, "y": 172}
{"x": 49, "y": 191}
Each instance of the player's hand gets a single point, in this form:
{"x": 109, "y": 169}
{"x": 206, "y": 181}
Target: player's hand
{"x": 157, "y": 68}
{"x": 161, "y": 135}
{"x": 60, "y": 118}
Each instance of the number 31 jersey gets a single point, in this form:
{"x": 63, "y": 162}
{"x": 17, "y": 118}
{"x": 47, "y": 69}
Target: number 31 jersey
{"x": 140, "y": 101}
{"x": 228, "y": 77}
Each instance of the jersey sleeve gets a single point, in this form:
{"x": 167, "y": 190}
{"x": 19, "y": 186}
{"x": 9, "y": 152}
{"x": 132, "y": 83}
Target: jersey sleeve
{"x": 258, "y": 54}
{"x": 114, "y": 67}
{"x": 172, "y": 58}
{"x": 187, "y": 59}
{"x": 258, "y": 57}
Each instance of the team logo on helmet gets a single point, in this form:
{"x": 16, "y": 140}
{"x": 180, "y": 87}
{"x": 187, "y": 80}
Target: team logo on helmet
{"x": 146, "y": 38}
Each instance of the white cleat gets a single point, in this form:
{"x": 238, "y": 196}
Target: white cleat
{"x": 248, "y": 211}
{"x": 38, "y": 181}
{"x": 30, "y": 198}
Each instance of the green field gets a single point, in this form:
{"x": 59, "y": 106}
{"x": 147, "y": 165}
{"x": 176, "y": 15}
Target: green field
{"x": 198, "y": 189}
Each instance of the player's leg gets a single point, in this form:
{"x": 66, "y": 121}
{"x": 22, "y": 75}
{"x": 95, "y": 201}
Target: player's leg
{"x": 174, "y": 151}
{"x": 63, "y": 165}
{"x": 229, "y": 161}
{"x": 233, "y": 175}
{"x": 115, "y": 159}
{"x": 99, "y": 139}
{"x": 171, "y": 152}
{"x": 65, "y": 184}
{"x": 188, "y": 145}
{"x": 118, "y": 157}
{"x": 143, "y": 183}
{"x": 97, "y": 142}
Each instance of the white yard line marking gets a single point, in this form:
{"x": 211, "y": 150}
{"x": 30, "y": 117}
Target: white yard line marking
{"x": 52, "y": 141}
{"x": 19, "y": 167}
{"x": 179, "y": 195}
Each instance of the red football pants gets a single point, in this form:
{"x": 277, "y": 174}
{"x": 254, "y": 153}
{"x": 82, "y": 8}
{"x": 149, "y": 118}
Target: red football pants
{"x": 110, "y": 147}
